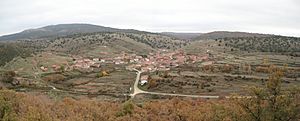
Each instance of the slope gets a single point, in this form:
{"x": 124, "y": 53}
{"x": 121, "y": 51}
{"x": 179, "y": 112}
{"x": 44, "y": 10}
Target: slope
{"x": 60, "y": 30}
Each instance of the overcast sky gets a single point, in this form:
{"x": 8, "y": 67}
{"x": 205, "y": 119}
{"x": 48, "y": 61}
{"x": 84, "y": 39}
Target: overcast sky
{"x": 262, "y": 16}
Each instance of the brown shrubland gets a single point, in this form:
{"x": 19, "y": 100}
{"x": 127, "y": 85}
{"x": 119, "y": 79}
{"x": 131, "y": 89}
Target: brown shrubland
{"x": 269, "y": 103}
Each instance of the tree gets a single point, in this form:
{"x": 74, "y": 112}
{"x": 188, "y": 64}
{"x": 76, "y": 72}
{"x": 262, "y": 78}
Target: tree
{"x": 152, "y": 83}
{"x": 102, "y": 74}
{"x": 282, "y": 105}
{"x": 127, "y": 108}
{"x": 62, "y": 68}
{"x": 271, "y": 103}
{"x": 7, "y": 103}
{"x": 8, "y": 76}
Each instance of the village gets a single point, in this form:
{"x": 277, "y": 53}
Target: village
{"x": 198, "y": 69}
{"x": 162, "y": 60}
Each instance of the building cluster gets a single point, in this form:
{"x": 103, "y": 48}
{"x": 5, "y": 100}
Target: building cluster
{"x": 86, "y": 63}
{"x": 163, "y": 60}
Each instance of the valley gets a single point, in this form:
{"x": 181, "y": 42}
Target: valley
{"x": 149, "y": 60}
{"x": 117, "y": 66}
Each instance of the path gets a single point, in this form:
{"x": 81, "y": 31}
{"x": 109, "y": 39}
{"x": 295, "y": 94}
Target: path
{"x": 137, "y": 90}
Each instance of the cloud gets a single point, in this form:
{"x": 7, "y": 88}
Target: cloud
{"x": 264, "y": 16}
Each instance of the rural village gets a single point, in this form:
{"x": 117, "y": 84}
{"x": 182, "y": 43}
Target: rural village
{"x": 162, "y": 60}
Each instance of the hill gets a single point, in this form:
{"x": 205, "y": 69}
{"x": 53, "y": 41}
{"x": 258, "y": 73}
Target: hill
{"x": 185, "y": 36}
{"x": 227, "y": 34}
{"x": 281, "y": 45}
{"x": 11, "y": 50}
{"x": 113, "y": 43}
{"x": 276, "y": 44}
{"x": 61, "y": 30}
{"x": 90, "y": 44}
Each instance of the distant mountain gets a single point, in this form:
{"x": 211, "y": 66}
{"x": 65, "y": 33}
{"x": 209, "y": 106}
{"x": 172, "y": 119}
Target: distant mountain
{"x": 227, "y": 34}
{"x": 185, "y": 36}
{"x": 61, "y": 30}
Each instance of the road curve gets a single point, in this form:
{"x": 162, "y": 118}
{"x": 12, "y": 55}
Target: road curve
{"x": 137, "y": 90}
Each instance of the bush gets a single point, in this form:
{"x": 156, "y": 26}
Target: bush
{"x": 127, "y": 109}
{"x": 8, "y": 100}
{"x": 102, "y": 74}
{"x": 271, "y": 103}
{"x": 8, "y": 76}
{"x": 54, "y": 78}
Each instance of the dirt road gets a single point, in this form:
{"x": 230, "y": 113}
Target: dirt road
{"x": 137, "y": 90}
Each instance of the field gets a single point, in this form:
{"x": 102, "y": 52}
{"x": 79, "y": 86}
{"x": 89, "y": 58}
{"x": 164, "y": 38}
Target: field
{"x": 226, "y": 72}
{"x": 74, "y": 83}
{"x": 116, "y": 85}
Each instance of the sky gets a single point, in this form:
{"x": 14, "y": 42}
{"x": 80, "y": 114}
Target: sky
{"x": 280, "y": 17}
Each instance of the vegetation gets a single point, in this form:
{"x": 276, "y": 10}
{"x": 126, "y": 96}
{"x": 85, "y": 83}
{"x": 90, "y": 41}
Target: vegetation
{"x": 7, "y": 76}
{"x": 269, "y": 103}
{"x": 61, "y": 30}
{"x": 272, "y": 103}
{"x": 129, "y": 42}
{"x": 226, "y": 34}
{"x": 7, "y": 104}
{"x": 277, "y": 44}
{"x": 156, "y": 41}
{"x": 11, "y": 50}
{"x": 82, "y": 42}
{"x": 127, "y": 109}
{"x": 54, "y": 77}
{"x": 102, "y": 74}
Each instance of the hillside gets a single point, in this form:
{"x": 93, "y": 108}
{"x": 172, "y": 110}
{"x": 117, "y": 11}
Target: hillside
{"x": 91, "y": 44}
{"x": 113, "y": 43}
{"x": 227, "y": 34}
{"x": 11, "y": 50}
{"x": 60, "y": 30}
{"x": 276, "y": 44}
{"x": 83, "y": 73}
{"x": 185, "y": 36}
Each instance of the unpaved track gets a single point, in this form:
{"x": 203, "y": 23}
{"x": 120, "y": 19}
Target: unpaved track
{"x": 137, "y": 90}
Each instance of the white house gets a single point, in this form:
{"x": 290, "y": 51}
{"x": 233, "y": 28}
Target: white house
{"x": 144, "y": 79}
{"x": 143, "y": 82}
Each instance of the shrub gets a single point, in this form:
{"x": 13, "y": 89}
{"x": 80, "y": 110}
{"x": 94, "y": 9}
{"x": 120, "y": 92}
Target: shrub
{"x": 8, "y": 76}
{"x": 54, "y": 78}
{"x": 8, "y": 100}
{"x": 271, "y": 103}
{"x": 127, "y": 109}
{"x": 102, "y": 74}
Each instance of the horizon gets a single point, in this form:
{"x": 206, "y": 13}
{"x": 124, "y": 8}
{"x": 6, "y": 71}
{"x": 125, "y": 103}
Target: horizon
{"x": 184, "y": 32}
{"x": 192, "y": 16}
